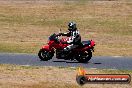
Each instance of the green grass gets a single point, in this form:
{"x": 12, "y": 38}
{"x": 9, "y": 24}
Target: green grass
{"x": 19, "y": 47}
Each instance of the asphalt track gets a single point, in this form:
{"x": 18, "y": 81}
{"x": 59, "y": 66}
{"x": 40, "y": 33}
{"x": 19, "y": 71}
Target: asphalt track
{"x": 100, "y": 62}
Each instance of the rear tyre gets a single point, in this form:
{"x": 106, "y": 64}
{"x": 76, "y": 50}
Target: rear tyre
{"x": 84, "y": 57}
{"x": 45, "y": 55}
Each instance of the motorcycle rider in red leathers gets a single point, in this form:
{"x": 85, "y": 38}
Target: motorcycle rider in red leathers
{"x": 74, "y": 37}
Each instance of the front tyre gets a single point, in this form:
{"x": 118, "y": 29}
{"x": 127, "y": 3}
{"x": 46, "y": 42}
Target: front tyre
{"x": 84, "y": 57}
{"x": 45, "y": 55}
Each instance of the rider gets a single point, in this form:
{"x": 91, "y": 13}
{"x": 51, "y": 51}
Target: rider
{"x": 74, "y": 37}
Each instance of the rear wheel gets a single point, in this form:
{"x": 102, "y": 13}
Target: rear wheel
{"x": 45, "y": 55}
{"x": 84, "y": 57}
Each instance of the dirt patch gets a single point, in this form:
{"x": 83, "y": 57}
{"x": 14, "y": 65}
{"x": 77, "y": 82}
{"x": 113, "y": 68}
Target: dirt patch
{"x": 31, "y": 77}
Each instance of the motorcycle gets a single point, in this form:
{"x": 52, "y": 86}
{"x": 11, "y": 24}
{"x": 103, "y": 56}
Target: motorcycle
{"x": 82, "y": 53}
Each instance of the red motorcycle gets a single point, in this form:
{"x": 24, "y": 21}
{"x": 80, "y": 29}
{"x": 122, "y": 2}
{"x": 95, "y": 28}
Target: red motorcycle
{"x": 82, "y": 53}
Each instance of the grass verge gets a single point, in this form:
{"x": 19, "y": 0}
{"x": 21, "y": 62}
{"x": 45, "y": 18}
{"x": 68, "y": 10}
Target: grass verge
{"x": 109, "y": 23}
{"x": 14, "y": 76}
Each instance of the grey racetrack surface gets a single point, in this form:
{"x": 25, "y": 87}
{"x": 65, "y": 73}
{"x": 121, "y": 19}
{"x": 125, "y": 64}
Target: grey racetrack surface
{"x": 101, "y": 62}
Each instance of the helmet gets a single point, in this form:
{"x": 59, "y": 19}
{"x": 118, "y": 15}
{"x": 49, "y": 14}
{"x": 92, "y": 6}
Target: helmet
{"x": 72, "y": 26}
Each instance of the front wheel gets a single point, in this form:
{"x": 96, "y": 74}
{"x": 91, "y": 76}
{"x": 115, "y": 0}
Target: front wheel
{"x": 45, "y": 55}
{"x": 84, "y": 57}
